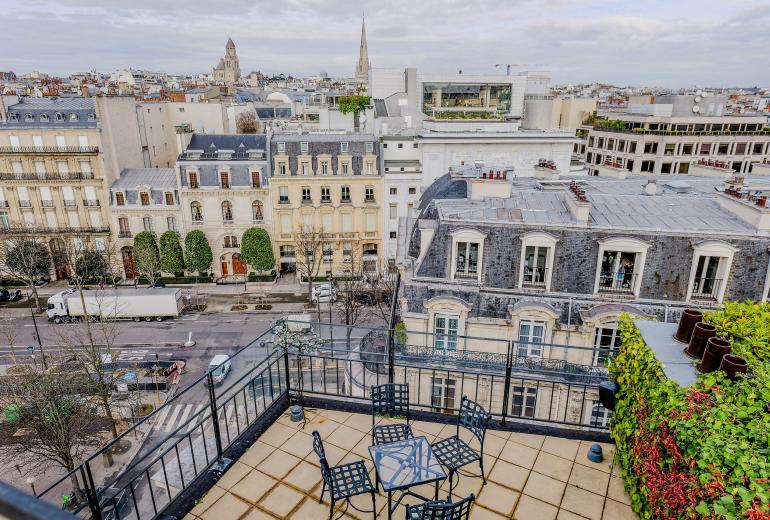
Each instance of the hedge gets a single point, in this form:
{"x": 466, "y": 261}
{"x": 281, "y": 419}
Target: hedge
{"x": 254, "y": 277}
{"x": 701, "y": 451}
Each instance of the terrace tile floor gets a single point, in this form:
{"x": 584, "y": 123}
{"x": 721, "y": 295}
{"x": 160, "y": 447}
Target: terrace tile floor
{"x": 528, "y": 476}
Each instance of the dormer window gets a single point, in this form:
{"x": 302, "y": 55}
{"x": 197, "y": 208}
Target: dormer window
{"x": 304, "y": 146}
{"x": 92, "y": 117}
{"x": 193, "y": 178}
{"x": 144, "y": 198}
{"x": 224, "y": 180}
{"x": 169, "y": 198}
{"x": 73, "y": 117}
{"x": 467, "y": 254}
{"x": 13, "y": 116}
{"x": 120, "y": 199}
{"x": 59, "y": 116}
{"x": 369, "y": 147}
{"x": 281, "y": 147}
{"x": 621, "y": 266}
{"x": 44, "y": 118}
{"x": 255, "y": 181}
{"x": 225, "y": 155}
{"x": 29, "y": 118}
{"x": 343, "y": 147}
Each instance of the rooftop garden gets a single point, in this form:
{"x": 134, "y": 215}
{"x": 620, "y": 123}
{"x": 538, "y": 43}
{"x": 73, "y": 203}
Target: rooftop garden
{"x": 700, "y": 451}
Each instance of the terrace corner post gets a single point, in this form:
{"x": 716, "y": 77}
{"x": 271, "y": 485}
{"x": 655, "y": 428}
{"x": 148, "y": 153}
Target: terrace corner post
{"x": 222, "y": 463}
{"x": 91, "y": 495}
{"x": 507, "y": 387}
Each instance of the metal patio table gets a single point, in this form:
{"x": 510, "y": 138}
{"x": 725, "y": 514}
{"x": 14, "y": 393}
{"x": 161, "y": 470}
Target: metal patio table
{"x": 404, "y": 464}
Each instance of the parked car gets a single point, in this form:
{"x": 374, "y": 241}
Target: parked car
{"x": 365, "y": 298}
{"x": 42, "y": 280}
{"x": 323, "y": 293}
{"x": 219, "y": 366}
{"x": 7, "y": 296}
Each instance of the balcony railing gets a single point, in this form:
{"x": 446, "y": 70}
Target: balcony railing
{"x": 616, "y": 282}
{"x": 90, "y": 203}
{"x": 46, "y": 176}
{"x": 535, "y": 277}
{"x": 46, "y": 203}
{"x": 706, "y": 289}
{"x": 283, "y": 200}
{"x": 48, "y": 149}
{"x": 25, "y": 204}
{"x": 169, "y": 468}
{"x": 4, "y": 204}
{"x": 125, "y": 234}
{"x": 70, "y": 203}
{"x": 20, "y": 230}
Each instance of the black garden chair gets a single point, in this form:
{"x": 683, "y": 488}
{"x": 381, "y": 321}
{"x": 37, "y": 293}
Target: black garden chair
{"x": 390, "y": 400}
{"x": 344, "y": 481}
{"x": 441, "y": 510}
{"x": 454, "y": 453}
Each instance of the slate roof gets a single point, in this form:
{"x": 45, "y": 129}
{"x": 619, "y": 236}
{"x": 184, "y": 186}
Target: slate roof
{"x": 82, "y": 108}
{"x": 616, "y": 205}
{"x": 156, "y": 178}
{"x": 324, "y": 137}
{"x": 234, "y": 142}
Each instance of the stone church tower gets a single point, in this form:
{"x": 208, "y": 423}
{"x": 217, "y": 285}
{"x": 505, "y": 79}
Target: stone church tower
{"x": 228, "y": 70}
{"x": 362, "y": 69}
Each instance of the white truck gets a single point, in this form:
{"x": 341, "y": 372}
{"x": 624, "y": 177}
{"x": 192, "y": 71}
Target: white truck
{"x": 148, "y": 304}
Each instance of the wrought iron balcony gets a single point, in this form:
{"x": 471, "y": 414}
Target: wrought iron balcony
{"x": 31, "y": 150}
{"x": 534, "y": 277}
{"x": 616, "y": 282}
{"x": 706, "y": 289}
{"x": 46, "y": 176}
{"x": 125, "y": 234}
{"x": 91, "y": 203}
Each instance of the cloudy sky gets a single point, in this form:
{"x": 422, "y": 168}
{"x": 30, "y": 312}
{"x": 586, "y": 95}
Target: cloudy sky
{"x": 650, "y": 42}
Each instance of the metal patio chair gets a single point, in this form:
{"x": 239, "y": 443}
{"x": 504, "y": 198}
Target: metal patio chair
{"x": 441, "y": 510}
{"x": 390, "y": 400}
{"x": 344, "y": 481}
{"x": 454, "y": 453}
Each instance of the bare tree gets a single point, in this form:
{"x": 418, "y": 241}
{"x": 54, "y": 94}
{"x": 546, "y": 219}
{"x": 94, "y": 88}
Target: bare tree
{"x": 53, "y": 420}
{"x": 24, "y": 256}
{"x": 247, "y": 123}
{"x": 383, "y": 285}
{"x": 353, "y": 295}
{"x": 308, "y": 250}
{"x": 91, "y": 341}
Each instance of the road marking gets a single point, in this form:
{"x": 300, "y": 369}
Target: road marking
{"x": 172, "y": 419}
{"x": 162, "y": 417}
{"x": 186, "y": 412}
{"x": 195, "y": 418}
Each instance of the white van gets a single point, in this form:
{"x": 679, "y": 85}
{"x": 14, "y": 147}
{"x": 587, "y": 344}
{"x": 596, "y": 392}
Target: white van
{"x": 219, "y": 366}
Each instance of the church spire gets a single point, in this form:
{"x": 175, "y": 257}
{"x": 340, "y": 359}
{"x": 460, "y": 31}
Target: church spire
{"x": 362, "y": 68}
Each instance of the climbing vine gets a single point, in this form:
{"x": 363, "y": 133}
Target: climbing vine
{"x": 702, "y": 451}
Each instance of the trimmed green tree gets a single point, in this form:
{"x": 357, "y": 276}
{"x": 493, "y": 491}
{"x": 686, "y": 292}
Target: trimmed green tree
{"x": 171, "y": 256}
{"x": 257, "y": 250}
{"x": 197, "y": 251}
{"x": 146, "y": 256}
{"x": 91, "y": 267}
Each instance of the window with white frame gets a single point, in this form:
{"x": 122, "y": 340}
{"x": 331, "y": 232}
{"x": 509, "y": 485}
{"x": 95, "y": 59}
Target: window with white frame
{"x": 531, "y": 338}
{"x": 171, "y": 223}
{"x": 370, "y": 147}
{"x": 710, "y": 270}
{"x": 283, "y": 195}
{"x": 445, "y": 331}
{"x": 343, "y": 147}
{"x": 281, "y": 147}
{"x": 537, "y": 258}
{"x": 523, "y": 401}
{"x": 598, "y": 415}
{"x": 305, "y": 168}
{"x": 621, "y": 264}
{"x": 304, "y": 147}
{"x": 466, "y": 254}
{"x": 148, "y": 224}
{"x": 345, "y": 166}
{"x": 606, "y": 343}
{"x": 443, "y": 394}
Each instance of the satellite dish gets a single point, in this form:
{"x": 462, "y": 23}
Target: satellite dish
{"x": 697, "y": 99}
{"x": 696, "y": 109}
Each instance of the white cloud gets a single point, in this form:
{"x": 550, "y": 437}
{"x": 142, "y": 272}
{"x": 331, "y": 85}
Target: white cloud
{"x": 708, "y": 42}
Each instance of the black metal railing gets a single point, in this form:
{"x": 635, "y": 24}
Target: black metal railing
{"x": 617, "y": 282}
{"x": 49, "y": 149}
{"x": 508, "y": 387}
{"x": 46, "y": 176}
{"x": 535, "y": 277}
{"x": 125, "y": 234}
{"x": 706, "y": 288}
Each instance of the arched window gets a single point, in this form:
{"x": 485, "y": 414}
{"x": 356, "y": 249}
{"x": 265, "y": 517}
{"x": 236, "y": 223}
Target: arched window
{"x": 44, "y": 118}
{"x": 227, "y": 211}
{"x": 73, "y": 117}
{"x": 29, "y": 118}
{"x": 197, "y": 211}
{"x": 231, "y": 241}
{"x": 59, "y": 116}
{"x": 256, "y": 211}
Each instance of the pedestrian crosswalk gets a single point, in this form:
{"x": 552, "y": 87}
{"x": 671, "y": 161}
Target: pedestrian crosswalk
{"x": 174, "y": 416}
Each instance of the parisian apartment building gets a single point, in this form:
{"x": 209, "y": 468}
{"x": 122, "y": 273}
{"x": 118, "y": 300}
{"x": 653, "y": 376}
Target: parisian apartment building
{"x": 332, "y": 184}
{"x": 58, "y": 158}
{"x": 666, "y": 135}
{"x": 548, "y": 262}
{"x": 223, "y": 182}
